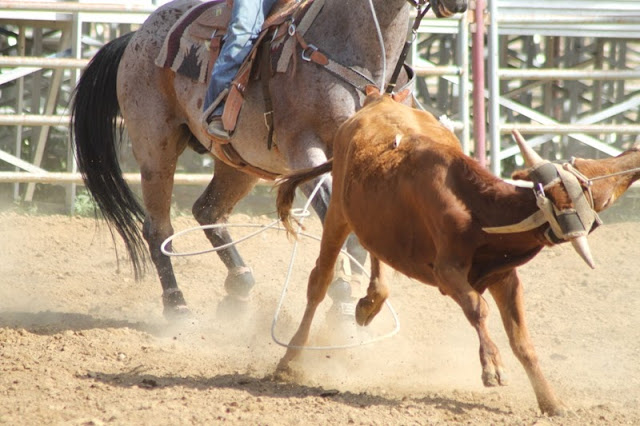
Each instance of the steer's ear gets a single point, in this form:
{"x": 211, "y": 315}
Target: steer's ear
{"x": 524, "y": 174}
{"x": 373, "y": 94}
{"x": 371, "y": 89}
{"x": 401, "y": 96}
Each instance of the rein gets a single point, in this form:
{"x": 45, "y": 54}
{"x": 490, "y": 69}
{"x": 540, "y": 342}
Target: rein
{"x": 584, "y": 206}
{"x": 624, "y": 172}
{"x": 383, "y": 51}
{"x": 589, "y": 181}
{"x": 311, "y": 53}
{"x": 421, "y": 11}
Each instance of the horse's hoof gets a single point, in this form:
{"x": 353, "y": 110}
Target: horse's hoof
{"x": 175, "y": 307}
{"x": 341, "y": 321}
{"x": 232, "y": 308}
{"x": 239, "y": 282}
{"x": 340, "y": 289}
{"x": 179, "y": 313}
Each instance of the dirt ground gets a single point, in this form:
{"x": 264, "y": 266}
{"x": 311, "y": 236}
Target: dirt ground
{"x": 83, "y": 343}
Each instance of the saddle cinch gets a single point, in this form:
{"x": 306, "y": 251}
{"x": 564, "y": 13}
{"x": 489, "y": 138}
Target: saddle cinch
{"x": 193, "y": 44}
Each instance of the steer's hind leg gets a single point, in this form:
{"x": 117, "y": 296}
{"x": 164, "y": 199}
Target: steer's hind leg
{"x": 508, "y": 295}
{"x": 215, "y": 204}
{"x": 369, "y": 306}
{"x": 333, "y": 236}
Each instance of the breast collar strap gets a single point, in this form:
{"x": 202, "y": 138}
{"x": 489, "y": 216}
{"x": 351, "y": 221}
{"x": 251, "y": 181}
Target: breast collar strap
{"x": 314, "y": 54}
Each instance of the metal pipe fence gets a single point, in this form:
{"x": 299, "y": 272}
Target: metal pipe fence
{"x": 505, "y": 18}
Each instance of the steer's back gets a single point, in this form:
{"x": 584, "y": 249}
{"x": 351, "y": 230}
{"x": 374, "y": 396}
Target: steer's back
{"x": 391, "y": 165}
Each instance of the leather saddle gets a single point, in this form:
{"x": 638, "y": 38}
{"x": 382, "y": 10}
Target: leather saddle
{"x": 193, "y": 44}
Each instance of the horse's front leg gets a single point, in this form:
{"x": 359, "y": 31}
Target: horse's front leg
{"x": 227, "y": 187}
{"x": 348, "y": 276}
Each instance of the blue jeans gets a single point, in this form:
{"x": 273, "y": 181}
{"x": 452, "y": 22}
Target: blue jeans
{"x": 247, "y": 17}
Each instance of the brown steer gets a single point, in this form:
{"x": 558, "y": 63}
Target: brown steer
{"x": 420, "y": 205}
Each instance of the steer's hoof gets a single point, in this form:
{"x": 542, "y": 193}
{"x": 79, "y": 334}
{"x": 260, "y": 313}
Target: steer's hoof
{"x": 284, "y": 373}
{"x": 366, "y": 310}
{"x": 553, "y": 407}
{"x": 557, "y": 411}
{"x": 497, "y": 377}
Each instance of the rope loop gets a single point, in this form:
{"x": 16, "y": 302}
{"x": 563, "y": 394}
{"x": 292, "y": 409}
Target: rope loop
{"x": 301, "y": 213}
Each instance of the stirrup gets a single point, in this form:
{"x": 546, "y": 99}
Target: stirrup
{"x": 216, "y": 129}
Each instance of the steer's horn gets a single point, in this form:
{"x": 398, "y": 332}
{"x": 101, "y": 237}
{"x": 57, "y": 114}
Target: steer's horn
{"x": 581, "y": 246}
{"x": 531, "y": 158}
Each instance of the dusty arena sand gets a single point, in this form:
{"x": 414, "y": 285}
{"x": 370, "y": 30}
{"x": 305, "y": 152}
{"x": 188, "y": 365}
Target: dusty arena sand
{"x": 82, "y": 343}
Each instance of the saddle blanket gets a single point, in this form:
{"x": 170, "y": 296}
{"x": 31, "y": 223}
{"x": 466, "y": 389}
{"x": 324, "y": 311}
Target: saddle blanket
{"x": 192, "y": 45}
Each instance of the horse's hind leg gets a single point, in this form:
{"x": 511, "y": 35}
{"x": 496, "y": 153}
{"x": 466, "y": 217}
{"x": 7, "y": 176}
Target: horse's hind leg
{"x": 226, "y": 188}
{"x": 157, "y": 158}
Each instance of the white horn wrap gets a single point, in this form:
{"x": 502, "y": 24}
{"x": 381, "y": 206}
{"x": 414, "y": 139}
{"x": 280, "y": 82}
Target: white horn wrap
{"x": 581, "y": 246}
{"x": 531, "y": 158}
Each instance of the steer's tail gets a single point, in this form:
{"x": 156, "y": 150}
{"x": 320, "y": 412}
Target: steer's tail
{"x": 94, "y": 121}
{"x": 287, "y": 185}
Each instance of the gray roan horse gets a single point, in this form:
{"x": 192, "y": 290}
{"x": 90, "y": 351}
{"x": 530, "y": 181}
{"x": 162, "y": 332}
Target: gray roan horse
{"x": 162, "y": 113}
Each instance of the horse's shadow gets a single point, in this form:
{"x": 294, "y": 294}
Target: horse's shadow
{"x": 48, "y": 323}
{"x": 269, "y": 387}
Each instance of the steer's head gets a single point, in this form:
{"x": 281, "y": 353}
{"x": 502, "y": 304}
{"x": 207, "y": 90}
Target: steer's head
{"x": 577, "y": 190}
{"x": 446, "y": 8}
{"x": 610, "y": 177}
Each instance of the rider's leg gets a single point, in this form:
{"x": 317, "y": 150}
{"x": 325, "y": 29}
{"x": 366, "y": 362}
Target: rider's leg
{"x": 247, "y": 17}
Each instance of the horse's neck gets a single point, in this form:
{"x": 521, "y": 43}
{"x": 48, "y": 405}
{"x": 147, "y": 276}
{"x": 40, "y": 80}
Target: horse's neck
{"x": 351, "y": 23}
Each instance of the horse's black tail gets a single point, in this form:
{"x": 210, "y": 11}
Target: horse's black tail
{"x": 94, "y": 122}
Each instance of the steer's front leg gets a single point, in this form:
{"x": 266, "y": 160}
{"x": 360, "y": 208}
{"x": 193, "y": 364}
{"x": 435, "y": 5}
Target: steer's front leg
{"x": 334, "y": 234}
{"x": 452, "y": 277}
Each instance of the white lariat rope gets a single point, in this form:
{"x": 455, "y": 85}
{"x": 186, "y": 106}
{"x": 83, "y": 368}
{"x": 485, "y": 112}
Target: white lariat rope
{"x": 301, "y": 214}
{"x": 383, "y": 51}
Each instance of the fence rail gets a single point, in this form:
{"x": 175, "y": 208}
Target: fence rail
{"x": 592, "y": 17}
{"x": 76, "y": 7}
{"x": 39, "y": 62}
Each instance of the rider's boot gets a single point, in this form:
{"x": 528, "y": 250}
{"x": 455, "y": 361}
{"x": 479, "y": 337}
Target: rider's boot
{"x": 216, "y": 129}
